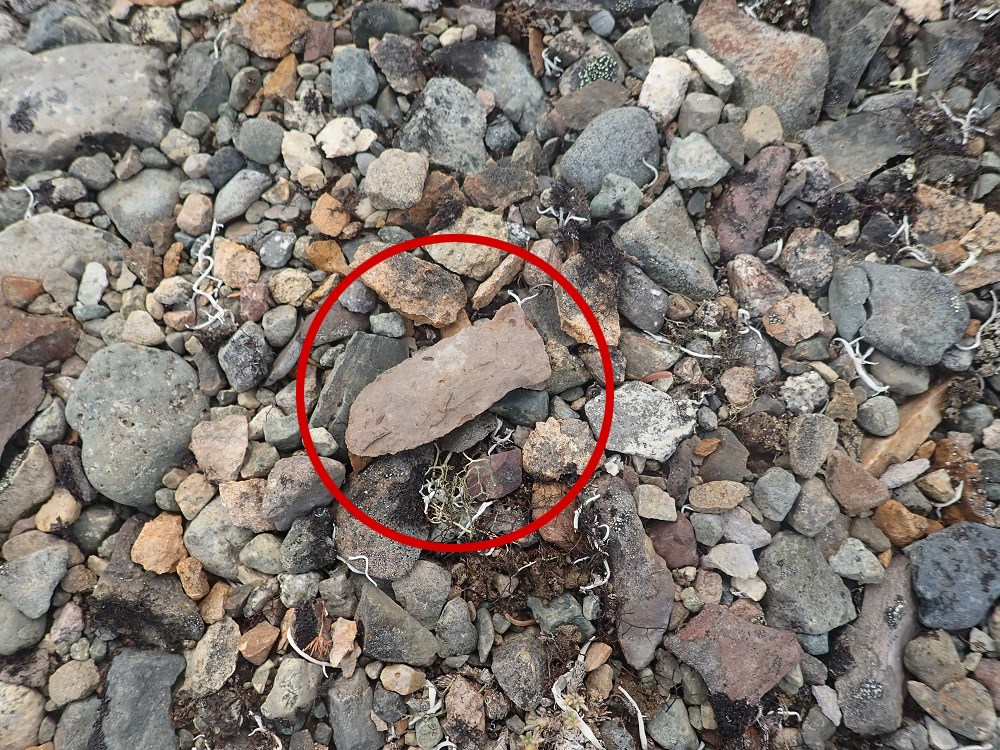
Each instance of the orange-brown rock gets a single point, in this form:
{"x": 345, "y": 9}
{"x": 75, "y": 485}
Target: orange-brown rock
{"x": 956, "y": 460}
{"x": 160, "y": 545}
{"x": 213, "y": 606}
{"x": 559, "y": 531}
{"x": 19, "y": 291}
{"x": 329, "y": 215}
{"x": 793, "y": 319}
{"x": 193, "y": 578}
{"x": 236, "y": 265}
{"x": 942, "y": 216}
{"x": 856, "y": 490}
{"x": 917, "y": 417}
{"x": 268, "y": 27}
{"x": 36, "y": 339}
{"x": 899, "y": 524}
{"x": 256, "y": 643}
{"x": 447, "y": 384}
{"x": 281, "y": 84}
{"x": 327, "y": 256}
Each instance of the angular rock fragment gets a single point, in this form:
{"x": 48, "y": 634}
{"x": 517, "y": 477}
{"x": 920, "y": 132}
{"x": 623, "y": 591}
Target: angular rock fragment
{"x": 137, "y": 705}
{"x": 391, "y": 634}
{"x": 40, "y": 243}
{"x": 646, "y": 421}
{"x": 20, "y": 394}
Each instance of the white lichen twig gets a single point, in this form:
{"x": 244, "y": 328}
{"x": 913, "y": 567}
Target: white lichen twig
{"x": 217, "y": 41}
{"x": 853, "y": 350}
{"x": 913, "y": 82}
{"x": 347, "y": 561}
{"x": 978, "y": 339}
{"x": 557, "y": 694}
{"x": 777, "y": 253}
{"x": 643, "y": 742}
{"x": 967, "y": 263}
{"x": 30, "y": 210}
{"x": 553, "y": 68}
{"x": 656, "y": 175}
{"x": 262, "y": 729}
{"x": 955, "y": 497}
{"x": 206, "y": 263}
{"x": 745, "y": 327}
{"x": 521, "y": 300}
{"x": 303, "y": 654}
{"x": 596, "y": 583}
{"x": 968, "y": 125}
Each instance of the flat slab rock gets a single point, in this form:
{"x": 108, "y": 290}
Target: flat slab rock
{"x": 734, "y": 656}
{"x": 647, "y": 422}
{"x": 35, "y": 245}
{"x": 62, "y": 100}
{"x": 447, "y": 384}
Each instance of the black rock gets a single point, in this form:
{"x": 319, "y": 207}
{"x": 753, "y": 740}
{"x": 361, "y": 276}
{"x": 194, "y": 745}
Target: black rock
{"x": 375, "y": 20}
{"x": 309, "y": 543}
{"x": 223, "y": 165}
{"x": 523, "y": 407}
{"x": 136, "y": 709}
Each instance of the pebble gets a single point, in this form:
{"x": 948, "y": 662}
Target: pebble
{"x": 717, "y": 497}
{"x": 775, "y": 493}
{"x": 735, "y": 560}
{"x": 664, "y": 88}
{"x": 693, "y": 162}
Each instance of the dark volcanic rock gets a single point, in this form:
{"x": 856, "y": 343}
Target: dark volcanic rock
{"x": 617, "y": 141}
{"x": 391, "y": 634}
{"x": 136, "y": 709}
{"x": 20, "y": 394}
{"x": 519, "y": 665}
{"x": 861, "y": 143}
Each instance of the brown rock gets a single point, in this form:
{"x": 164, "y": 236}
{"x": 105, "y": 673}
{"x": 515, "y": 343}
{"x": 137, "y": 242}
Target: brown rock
{"x": 195, "y": 217}
{"x": 953, "y": 455}
{"x": 559, "y": 531}
{"x": 268, "y": 27}
{"x": 193, "y": 578}
{"x": 465, "y": 720}
{"x": 422, "y": 291}
{"x": 717, "y": 497}
{"x": 446, "y": 385}
{"x": 597, "y": 654}
{"x": 942, "y": 216}
{"x": 599, "y": 288}
{"x": 327, "y": 256}
{"x": 856, "y": 490}
{"x": 741, "y": 216}
{"x": 343, "y": 635}
{"x": 984, "y": 271}
{"x": 253, "y": 302}
{"x": 498, "y": 187}
{"x": 441, "y": 203}
{"x": 19, "y": 291}
{"x": 320, "y": 39}
{"x": 402, "y": 679}
{"x": 899, "y": 524}
{"x": 143, "y": 261}
{"x": 236, "y": 265}
{"x": 283, "y": 81}
{"x": 917, "y": 418}
{"x": 329, "y": 215}
{"x": 256, "y": 643}
{"x": 504, "y": 274}
{"x": 494, "y": 476}
{"x": 988, "y": 674}
{"x": 213, "y": 606}
{"x": 738, "y": 383}
{"x": 558, "y": 448}
{"x": 793, "y": 319}
{"x": 756, "y": 288}
{"x": 220, "y": 445}
{"x": 575, "y": 110}
{"x": 675, "y": 542}
{"x": 985, "y": 236}
{"x": 21, "y": 392}
{"x": 733, "y": 656}
{"x": 964, "y": 706}
{"x": 160, "y": 546}
{"x": 36, "y": 339}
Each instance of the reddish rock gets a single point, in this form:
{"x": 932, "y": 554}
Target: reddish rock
{"x": 917, "y": 418}
{"x": 253, "y": 302}
{"x": 674, "y": 541}
{"x": 988, "y": 674}
{"x": 793, "y": 319}
{"x": 220, "y": 445}
{"x": 559, "y": 531}
{"x": 942, "y": 216}
{"x": 319, "y": 41}
{"x": 575, "y": 110}
{"x": 465, "y": 719}
{"x": 856, "y": 490}
{"x": 447, "y": 384}
{"x": 36, "y": 339}
{"x": 902, "y": 526}
{"x": 19, "y": 291}
{"x": 21, "y": 393}
{"x": 268, "y": 27}
{"x": 441, "y": 203}
{"x": 733, "y": 656}
{"x": 145, "y": 263}
{"x": 498, "y": 187}
{"x": 255, "y": 644}
{"x": 741, "y": 215}
{"x": 495, "y": 476}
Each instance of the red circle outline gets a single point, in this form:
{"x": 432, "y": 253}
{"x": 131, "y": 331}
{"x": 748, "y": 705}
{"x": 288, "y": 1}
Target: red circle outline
{"x": 511, "y": 536}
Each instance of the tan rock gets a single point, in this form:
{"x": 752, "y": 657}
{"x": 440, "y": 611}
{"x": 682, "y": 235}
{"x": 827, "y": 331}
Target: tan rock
{"x": 213, "y": 606}
{"x": 283, "y": 81}
{"x": 504, "y": 274}
{"x": 220, "y": 445}
{"x": 599, "y": 288}
{"x": 942, "y": 216}
{"x": 343, "y": 635}
{"x": 236, "y": 265}
{"x": 421, "y": 291}
{"x": 447, "y": 384}
{"x": 327, "y": 256}
{"x": 717, "y": 497}
{"x": 917, "y": 418}
{"x": 402, "y": 679}
{"x": 465, "y": 713}
{"x": 899, "y": 524}
{"x": 793, "y": 319}
{"x": 329, "y": 215}
{"x": 559, "y": 531}
{"x": 936, "y": 485}
{"x": 856, "y": 490}
{"x": 256, "y": 643}
{"x": 193, "y": 494}
{"x": 597, "y": 654}
{"x": 471, "y": 258}
{"x": 738, "y": 383}
{"x": 963, "y": 706}
{"x": 160, "y": 546}
{"x": 753, "y": 284}
{"x": 193, "y": 578}
{"x": 268, "y": 27}
{"x": 58, "y": 512}
{"x": 245, "y": 503}
{"x": 195, "y": 217}
{"x": 558, "y": 448}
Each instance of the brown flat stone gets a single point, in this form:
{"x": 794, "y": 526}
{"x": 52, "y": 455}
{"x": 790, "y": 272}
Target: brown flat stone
{"x": 495, "y": 476}
{"x": 675, "y": 542}
{"x": 733, "y": 656}
{"x": 942, "y": 216}
{"x": 498, "y": 187}
{"x": 447, "y": 384}
{"x": 917, "y": 417}
{"x": 21, "y": 393}
{"x": 984, "y": 271}
{"x": 268, "y": 27}
{"x": 441, "y": 203}
{"x": 559, "y": 531}
{"x": 36, "y": 339}
{"x": 856, "y": 490}
{"x": 902, "y": 526}
{"x": 575, "y": 111}
{"x": 255, "y": 644}
{"x": 599, "y": 288}
{"x": 421, "y": 291}
{"x": 753, "y": 284}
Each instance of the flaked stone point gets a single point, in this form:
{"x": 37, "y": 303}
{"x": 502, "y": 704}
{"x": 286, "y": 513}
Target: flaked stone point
{"x": 446, "y": 385}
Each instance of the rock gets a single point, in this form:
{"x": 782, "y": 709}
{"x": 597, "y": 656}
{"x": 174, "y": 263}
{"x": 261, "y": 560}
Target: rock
{"x": 28, "y": 483}
{"x": 291, "y": 699}
{"x": 294, "y": 489}
{"x": 811, "y": 440}
{"x": 617, "y": 141}
{"x": 220, "y": 445}
{"x": 784, "y": 70}
{"x": 942, "y": 48}
{"x": 753, "y": 285}
{"x": 388, "y": 490}
{"x": 793, "y": 319}
{"x": 803, "y": 593}
{"x": 599, "y": 287}
{"x": 738, "y": 526}
{"x": 136, "y": 709}
{"x": 391, "y": 634}
{"x": 159, "y": 546}
{"x": 415, "y": 288}
{"x": 308, "y": 546}
{"x": 879, "y": 416}
{"x": 403, "y": 63}
{"x": 465, "y": 720}
{"x": 350, "y": 702}
{"x": 471, "y": 258}
{"x": 735, "y": 560}
{"x": 964, "y": 707}
{"x": 664, "y": 89}
{"x": 859, "y": 144}
{"x": 423, "y": 591}
{"x": 402, "y": 679}
{"x": 16, "y": 630}
{"x": 358, "y": 83}
{"x": 718, "y": 496}
{"x": 28, "y": 582}
{"x": 21, "y": 393}
{"x": 396, "y": 179}
{"x": 917, "y": 418}
{"x": 856, "y": 490}
{"x": 239, "y": 193}
{"x": 377, "y": 428}
{"x": 652, "y": 502}
{"x": 519, "y": 665}
{"x": 378, "y": 19}
{"x": 73, "y": 681}
{"x": 671, "y": 727}
{"x": 93, "y": 93}
{"x": 953, "y": 575}
{"x": 22, "y": 712}
{"x": 136, "y": 203}
{"x": 496, "y": 476}
{"x": 447, "y": 123}
{"x": 934, "y": 660}
{"x": 499, "y": 68}
{"x": 135, "y": 408}
{"x": 870, "y": 690}
{"x": 246, "y": 358}
{"x": 44, "y": 242}
{"x": 741, "y": 216}
{"x": 215, "y": 541}
{"x": 855, "y": 562}
{"x": 735, "y": 657}
{"x": 646, "y": 422}
{"x": 212, "y": 662}
{"x": 268, "y": 29}
{"x": 775, "y": 493}
{"x": 454, "y": 629}
{"x": 694, "y": 163}
{"x": 675, "y": 542}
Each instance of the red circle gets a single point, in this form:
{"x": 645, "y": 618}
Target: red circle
{"x": 484, "y": 544}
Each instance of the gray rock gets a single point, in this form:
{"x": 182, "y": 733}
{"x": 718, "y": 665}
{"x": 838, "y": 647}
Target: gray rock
{"x": 350, "y": 704}
{"x": 246, "y": 358}
{"x": 56, "y": 103}
{"x": 861, "y": 143}
{"x": 259, "y": 140}
{"x": 44, "y": 242}
{"x": 215, "y": 540}
{"x": 662, "y": 240}
{"x": 77, "y": 724}
{"x": 670, "y": 28}
{"x": 521, "y": 670}
{"x": 803, "y": 593}
{"x": 198, "y": 81}
{"x": 356, "y": 82}
{"x": 309, "y": 544}
{"x": 879, "y": 416}
{"x": 378, "y": 19}
{"x": 28, "y": 582}
{"x": 775, "y": 493}
{"x": 942, "y": 48}
{"x": 640, "y": 300}
{"x": 934, "y": 660}
{"x": 902, "y": 378}
{"x": 954, "y": 575}
{"x": 455, "y": 630}
{"x": 135, "y": 408}
{"x": 96, "y": 172}
{"x": 708, "y": 528}
{"x": 136, "y": 203}
{"x": 811, "y": 440}
{"x": 449, "y": 124}
{"x": 560, "y": 610}
{"x": 21, "y": 712}
{"x": 815, "y": 510}
{"x": 294, "y": 489}
{"x": 423, "y": 591}
{"x": 16, "y": 630}
{"x": 646, "y": 422}
{"x": 237, "y": 195}
{"x": 293, "y": 694}
{"x": 212, "y": 661}
{"x": 497, "y": 67}
{"x": 276, "y": 249}
{"x": 619, "y": 198}
{"x": 671, "y": 728}
{"x": 694, "y": 163}
{"x": 136, "y": 710}
{"x": 615, "y": 142}
{"x": 391, "y": 634}
{"x": 855, "y": 562}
